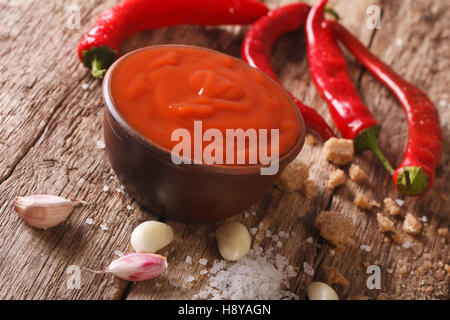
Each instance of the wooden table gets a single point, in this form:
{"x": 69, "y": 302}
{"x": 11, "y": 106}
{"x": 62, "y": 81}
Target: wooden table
{"x": 49, "y": 128}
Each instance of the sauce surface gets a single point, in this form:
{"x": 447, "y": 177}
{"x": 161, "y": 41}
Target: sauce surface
{"x": 161, "y": 89}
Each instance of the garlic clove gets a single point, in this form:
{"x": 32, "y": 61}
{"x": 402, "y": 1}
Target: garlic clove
{"x": 138, "y": 266}
{"x": 151, "y": 236}
{"x": 321, "y": 291}
{"x": 43, "y": 211}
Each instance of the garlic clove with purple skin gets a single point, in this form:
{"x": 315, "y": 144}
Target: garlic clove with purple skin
{"x": 138, "y": 266}
{"x": 43, "y": 211}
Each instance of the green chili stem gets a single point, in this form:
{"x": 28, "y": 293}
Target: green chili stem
{"x": 97, "y": 68}
{"x": 412, "y": 181}
{"x": 367, "y": 139}
{"x": 332, "y": 12}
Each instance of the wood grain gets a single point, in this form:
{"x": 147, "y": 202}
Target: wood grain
{"x": 50, "y": 126}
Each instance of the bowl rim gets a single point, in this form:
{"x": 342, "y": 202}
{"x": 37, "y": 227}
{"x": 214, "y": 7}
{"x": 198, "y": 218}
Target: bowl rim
{"x": 162, "y": 152}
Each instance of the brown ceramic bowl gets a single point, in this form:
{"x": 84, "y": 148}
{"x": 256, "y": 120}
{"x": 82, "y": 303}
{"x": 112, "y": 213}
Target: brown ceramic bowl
{"x": 188, "y": 193}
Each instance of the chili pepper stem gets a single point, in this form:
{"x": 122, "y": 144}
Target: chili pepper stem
{"x": 97, "y": 68}
{"x": 332, "y": 12}
{"x": 367, "y": 139}
{"x": 412, "y": 181}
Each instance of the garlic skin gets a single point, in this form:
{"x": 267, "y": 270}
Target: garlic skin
{"x": 138, "y": 266}
{"x": 43, "y": 211}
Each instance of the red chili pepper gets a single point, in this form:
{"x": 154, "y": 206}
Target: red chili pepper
{"x": 330, "y": 74}
{"x": 101, "y": 45}
{"x": 416, "y": 172}
{"x": 257, "y": 46}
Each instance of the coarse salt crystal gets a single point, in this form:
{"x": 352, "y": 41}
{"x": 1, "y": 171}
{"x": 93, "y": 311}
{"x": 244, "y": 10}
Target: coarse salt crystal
{"x": 290, "y": 272}
{"x": 157, "y": 284}
{"x": 399, "y": 202}
{"x": 254, "y": 213}
{"x": 253, "y": 231}
{"x": 442, "y": 103}
{"x": 246, "y": 214}
{"x": 129, "y": 207}
{"x": 85, "y": 86}
{"x": 268, "y": 233}
{"x": 332, "y": 252}
{"x": 309, "y": 270}
{"x": 105, "y": 188}
{"x": 103, "y": 227}
{"x": 279, "y": 244}
{"x": 365, "y": 248}
{"x": 203, "y": 272}
{"x": 203, "y": 261}
{"x": 397, "y": 247}
{"x": 424, "y": 219}
{"x": 173, "y": 283}
{"x": 261, "y": 225}
{"x": 293, "y": 233}
{"x": 257, "y": 249}
{"x": 254, "y": 277}
{"x": 188, "y": 260}
{"x": 100, "y": 144}
{"x": 309, "y": 240}
{"x": 118, "y": 253}
{"x": 258, "y": 237}
{"x": 406, "y": 244}
{"x": 190, "y": 278}
{"x": 89, "y": 221}
{"x": 399, "y": 42}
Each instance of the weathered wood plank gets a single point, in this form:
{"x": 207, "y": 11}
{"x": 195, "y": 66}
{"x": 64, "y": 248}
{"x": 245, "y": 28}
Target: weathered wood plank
{"x": 48, "y": 140}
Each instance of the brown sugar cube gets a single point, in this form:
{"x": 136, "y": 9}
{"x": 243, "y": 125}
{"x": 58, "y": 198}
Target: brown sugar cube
{"x": 411, "y": 224}
{"x": 358, "y": 297}
{"x": 442, "y": 232}
{"x": 447, "y": 268}
{"x": 335, "y": 227}
{"x": 357, "y": 174}
{"x": 333, "y": 276}
{"x": 339, "y": 151}
{"x": 383, "y": 296}
{"x": 374, "y": 203}
{"x": 294, "y": 176}
{"x": 362, "y": 202}
{"x": 421, "y": 270}
{"x": 427, "y": 264}
{"x": 310, "y": 140}
{"x": 399, "y": 238}
{"x": 385, "y": 224}
{"x": 391, "y": 207}
{"x": 336, "y": 178}
{"x": 310, "y": 189}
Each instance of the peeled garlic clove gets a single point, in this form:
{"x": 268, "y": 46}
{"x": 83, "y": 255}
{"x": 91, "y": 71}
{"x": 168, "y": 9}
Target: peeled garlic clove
{"x": 138, "y": 266}
{"x": 150, "y": 236}
{"x": 233, "y": 240}
{"x": 321, "y": 291}
{"x": 43, "y": 211}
